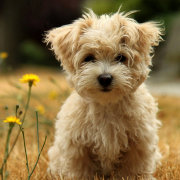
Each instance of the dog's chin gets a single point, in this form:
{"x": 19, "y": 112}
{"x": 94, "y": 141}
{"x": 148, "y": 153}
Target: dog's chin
{"x": 105, "y": 90}
{"x": 102, "y": 96}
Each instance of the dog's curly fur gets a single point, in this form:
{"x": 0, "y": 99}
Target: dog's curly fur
{"x": 112, "y": 132}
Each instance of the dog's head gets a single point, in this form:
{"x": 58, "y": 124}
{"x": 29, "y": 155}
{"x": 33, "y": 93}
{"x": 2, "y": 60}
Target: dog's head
{"x": 106, "y": 57}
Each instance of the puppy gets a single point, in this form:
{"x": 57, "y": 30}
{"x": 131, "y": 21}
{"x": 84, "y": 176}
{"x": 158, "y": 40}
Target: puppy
{"x": 108, "y": 125}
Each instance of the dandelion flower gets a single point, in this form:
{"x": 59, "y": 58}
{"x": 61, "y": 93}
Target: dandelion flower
{"x": 40, "y": 109}
{"x": 12, "y": 119}
{"x": 53, "y": 95}
{"x": 3, "y": 55}
{"x": 32, "y": 79}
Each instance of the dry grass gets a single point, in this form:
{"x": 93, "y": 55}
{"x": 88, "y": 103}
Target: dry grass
{"x": 10, "y": 95}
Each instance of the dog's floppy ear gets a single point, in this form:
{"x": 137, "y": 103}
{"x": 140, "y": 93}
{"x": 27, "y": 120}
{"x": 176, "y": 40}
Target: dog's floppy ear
{"x": 149, "y": 34}
{"x": 64, "y": 40}
{"x": 61, "y": 40}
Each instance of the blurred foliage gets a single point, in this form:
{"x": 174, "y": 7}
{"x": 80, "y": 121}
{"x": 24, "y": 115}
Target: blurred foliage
{"x": 109, "y": 6}
{"x": 23, "y": 23}
{"x": 30, "y": 50}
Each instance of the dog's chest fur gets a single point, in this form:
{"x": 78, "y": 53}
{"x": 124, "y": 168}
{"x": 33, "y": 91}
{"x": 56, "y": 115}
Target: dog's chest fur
{"x": 109, "y": 129}
{"x": 109, "y": 126}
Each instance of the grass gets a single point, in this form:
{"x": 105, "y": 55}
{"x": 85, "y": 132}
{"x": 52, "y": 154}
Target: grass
{"x": 49, "y": 94}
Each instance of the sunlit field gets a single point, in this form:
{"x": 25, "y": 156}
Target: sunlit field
{"x": 47, "y": 97}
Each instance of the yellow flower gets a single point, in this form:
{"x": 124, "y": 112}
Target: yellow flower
{"x": 12, "y": 119}
{"x": 53, "y": 95}
{"x": 32, "y": 79}
{"x": 40, "y": 109}
{"x": 3, "y": 55}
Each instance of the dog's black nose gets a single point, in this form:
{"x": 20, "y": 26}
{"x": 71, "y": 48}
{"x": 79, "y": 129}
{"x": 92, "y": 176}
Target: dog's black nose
{"x": 105, "y": 80}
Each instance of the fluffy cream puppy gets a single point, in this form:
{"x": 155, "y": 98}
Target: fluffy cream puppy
{"x": 108, "y": 125}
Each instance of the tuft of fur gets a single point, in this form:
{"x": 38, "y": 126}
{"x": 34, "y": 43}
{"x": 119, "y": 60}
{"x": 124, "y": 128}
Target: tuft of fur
{"x": 104, "y": 133}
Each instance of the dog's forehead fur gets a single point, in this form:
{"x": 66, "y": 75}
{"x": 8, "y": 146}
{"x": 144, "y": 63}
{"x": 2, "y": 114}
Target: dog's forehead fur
{"x": 113, "y": 27}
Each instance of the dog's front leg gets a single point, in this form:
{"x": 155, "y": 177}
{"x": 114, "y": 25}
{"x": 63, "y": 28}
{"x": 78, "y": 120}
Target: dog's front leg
{"x": 140, "y": 161}
{"x": 73, "y": 163}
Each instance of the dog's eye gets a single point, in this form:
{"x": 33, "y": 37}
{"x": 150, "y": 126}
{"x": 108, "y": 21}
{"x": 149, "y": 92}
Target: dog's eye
{"x": 120, "y": 58}
{"x": 89, "y": 58}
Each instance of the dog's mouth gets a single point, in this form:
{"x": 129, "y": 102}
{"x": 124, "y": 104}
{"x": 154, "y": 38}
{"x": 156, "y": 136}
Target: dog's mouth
{"x": 106, "y": 90}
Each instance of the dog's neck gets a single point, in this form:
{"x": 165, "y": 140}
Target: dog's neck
{"x": 109, "y": 108}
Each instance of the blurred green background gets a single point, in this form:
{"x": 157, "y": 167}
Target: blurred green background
{"x": 23, "y": 23}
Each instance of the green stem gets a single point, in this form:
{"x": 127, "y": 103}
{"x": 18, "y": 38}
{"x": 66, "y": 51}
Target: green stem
{"x": 27, "y": 104}
{"x": 12, "y": 147}
{"x": 37, "y": 130}
{"x": 29, "y": 176}
{"x": 6, "y": 149}
{"x": 27, "y": 164}
{"x": 17, "y": 107}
